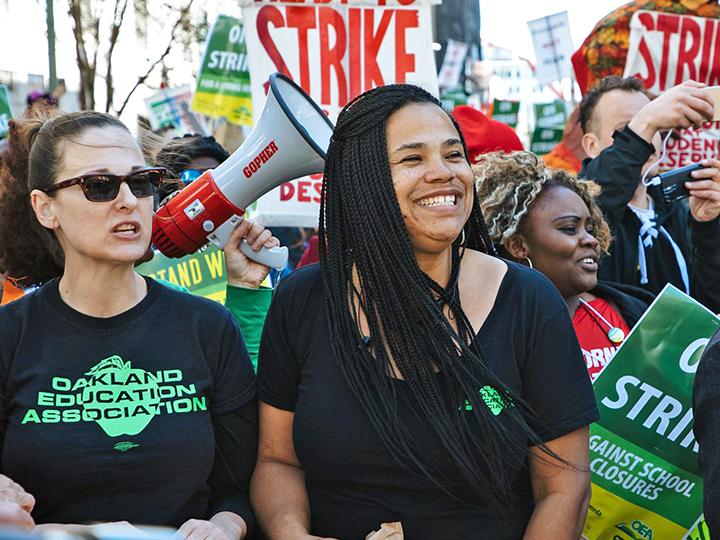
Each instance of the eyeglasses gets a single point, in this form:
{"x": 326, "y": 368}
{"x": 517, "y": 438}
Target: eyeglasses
{"x": 189, "y": 175}
{"x": 105, "y": 187}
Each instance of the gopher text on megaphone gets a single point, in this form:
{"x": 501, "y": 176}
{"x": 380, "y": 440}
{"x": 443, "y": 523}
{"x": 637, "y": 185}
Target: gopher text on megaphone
{"x": 289, "y": 141}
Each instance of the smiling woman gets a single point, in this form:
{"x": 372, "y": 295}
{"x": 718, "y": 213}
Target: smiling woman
{"x": 549, "y": 220}
{"x": 94, "y": 355}
{"x": 406, "y": 378}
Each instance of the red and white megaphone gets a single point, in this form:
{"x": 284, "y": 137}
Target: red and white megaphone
{"x": 289, "y": 141}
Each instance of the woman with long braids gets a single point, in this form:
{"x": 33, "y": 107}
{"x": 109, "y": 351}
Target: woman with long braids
{"x": 549, "y": 220}
{"x": 413, "y": 376}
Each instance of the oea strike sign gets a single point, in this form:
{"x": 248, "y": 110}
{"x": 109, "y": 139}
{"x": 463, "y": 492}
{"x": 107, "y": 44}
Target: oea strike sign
{"x": 643, "y": 454}
{"x": 667, "y": 408}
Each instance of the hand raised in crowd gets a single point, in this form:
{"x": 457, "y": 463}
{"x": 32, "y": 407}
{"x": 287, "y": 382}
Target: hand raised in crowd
{"x": 242, "y": 271}
{"x": 682, "y": 106}
{"x": 705, "y": 191}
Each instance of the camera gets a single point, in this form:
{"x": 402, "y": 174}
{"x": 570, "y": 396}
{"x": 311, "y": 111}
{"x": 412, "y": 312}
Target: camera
{"x": 672, "y": 183}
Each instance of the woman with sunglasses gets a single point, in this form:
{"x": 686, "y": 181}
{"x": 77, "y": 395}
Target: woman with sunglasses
{"x": 120, "y": 399}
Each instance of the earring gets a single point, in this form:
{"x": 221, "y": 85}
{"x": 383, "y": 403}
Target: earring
{"x": 529, "y": 262}
{"x": 462, "y": 238}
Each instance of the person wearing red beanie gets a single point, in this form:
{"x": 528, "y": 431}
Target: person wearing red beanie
{"x": 483, "y": 134}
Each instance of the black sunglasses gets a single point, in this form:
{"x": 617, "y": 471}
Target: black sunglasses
{"x": 105, "y": 187}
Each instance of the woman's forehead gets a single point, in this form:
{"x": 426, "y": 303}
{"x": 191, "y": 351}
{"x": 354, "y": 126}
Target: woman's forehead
{"x": 418, "y": 121}
{"x": 560, "y": 200}
{"x": 110, "y": 148}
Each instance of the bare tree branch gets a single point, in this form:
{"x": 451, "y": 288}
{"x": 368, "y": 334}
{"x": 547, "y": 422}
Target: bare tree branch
{"x": 87, "y": 76}
{"x": 184, "y": 12}
{"x": 118, "y": 15}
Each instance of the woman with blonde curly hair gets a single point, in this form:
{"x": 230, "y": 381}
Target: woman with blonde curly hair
{"x": 548, "y": 219}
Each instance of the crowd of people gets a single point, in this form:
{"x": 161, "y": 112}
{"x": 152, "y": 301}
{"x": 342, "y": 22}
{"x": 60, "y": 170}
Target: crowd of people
{"x": 433, "y": 368}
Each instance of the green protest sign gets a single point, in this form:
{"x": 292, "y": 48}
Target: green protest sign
{"x": 506, "y": 112}
{"x": 202, "y": 273}
{"x": 544, "y": 139}
{"x": 452, "y": 98}
{"x": 5, "y": 110}
{"x": 223, "y": 84}
{"x": 643, "y": 454}
{"x": 550, "y": 115}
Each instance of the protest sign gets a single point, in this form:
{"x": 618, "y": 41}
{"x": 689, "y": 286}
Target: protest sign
{"x": 666, "y": 49}
{"x": 223, "y": 83}
{"x": 605, "y": 50}
{"x": 5, "y": 110}
{"x": 453, "y": 97}
{"x": 334, "y": 51}
{"x": 550, "y": 115}
{"x": 692, "y": 145}
{"x": 506, "y": 111}
{"x": 544, "y": 139}
{"x": 453, "y": 63}
{"x": 170, "y": 108}
{"x": 553, "y": 47}
{"x": 699, "y": 532}
{"x": 202, "y": 273}
{"x": 643, "y": 454}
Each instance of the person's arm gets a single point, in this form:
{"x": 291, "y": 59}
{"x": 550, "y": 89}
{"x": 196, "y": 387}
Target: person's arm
{"x": 704, "y": 226}
{"x": 682, "y": 106}
{"x": 618, "y": 170}
{"x": 246, "y": 299}
{"x": 235, "y": 451}
{"x": 706, "y": 412}
{"x": 233, "y": 413}
{"x": 277, "y": 489}
{"x": 561, "y": 490}
{"x": 249, "y": 307}
{"x": 557, "y": 389}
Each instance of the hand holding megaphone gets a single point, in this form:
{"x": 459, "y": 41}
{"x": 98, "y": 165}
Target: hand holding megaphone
{"x": 289, "y": 141}
{"x": 274, "y": 257}
{"x": 241, "y": 270}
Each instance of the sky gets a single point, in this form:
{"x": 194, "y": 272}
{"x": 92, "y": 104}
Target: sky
{"x": 504, "y": 22}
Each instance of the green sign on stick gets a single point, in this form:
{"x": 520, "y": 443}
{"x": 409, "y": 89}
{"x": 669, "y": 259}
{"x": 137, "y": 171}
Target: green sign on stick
{"x": 5, "y": 110}
{"x": 506, "y": 111}
{"x": 550, "y": 115}
{"x": 643, "y": 454}
{"x": 544, "y": 139}
{"x": 223, "y": 84}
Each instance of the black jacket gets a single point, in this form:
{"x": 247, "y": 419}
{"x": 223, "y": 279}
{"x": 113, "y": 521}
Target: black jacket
{"x": 631, "y": 301}
{"x": 706, "y": 412}
{"x": 618, "y": 171}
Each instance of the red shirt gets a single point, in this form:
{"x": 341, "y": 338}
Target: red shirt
{"x": 592, "y": 333}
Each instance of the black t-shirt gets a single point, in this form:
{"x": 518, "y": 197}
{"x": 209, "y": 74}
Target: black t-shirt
{"x": 353, "y": 483}
{"x": 149, "y": 416}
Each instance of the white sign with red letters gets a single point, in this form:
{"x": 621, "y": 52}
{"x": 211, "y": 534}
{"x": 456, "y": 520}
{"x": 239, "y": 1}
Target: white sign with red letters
{"x": 334, "y": 50}
{"x": 666, "y": 49}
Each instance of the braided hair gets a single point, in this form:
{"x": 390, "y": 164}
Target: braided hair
{"x": 509, "y": 184}
{"x": 363, "y": 236}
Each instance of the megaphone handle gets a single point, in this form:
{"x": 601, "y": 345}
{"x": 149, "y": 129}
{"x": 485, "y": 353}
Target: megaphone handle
{"x": 274, "y": 257}
{"x": 220, "y": 236}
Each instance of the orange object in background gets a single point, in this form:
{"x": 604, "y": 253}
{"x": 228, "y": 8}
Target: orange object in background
{"x": 9, "y": 292}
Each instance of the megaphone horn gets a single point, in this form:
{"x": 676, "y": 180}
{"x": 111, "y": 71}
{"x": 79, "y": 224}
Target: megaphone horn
{"x": 289, "y": 141}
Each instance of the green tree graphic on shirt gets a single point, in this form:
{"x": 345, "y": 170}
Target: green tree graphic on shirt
{"x": 131, "y": 392}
